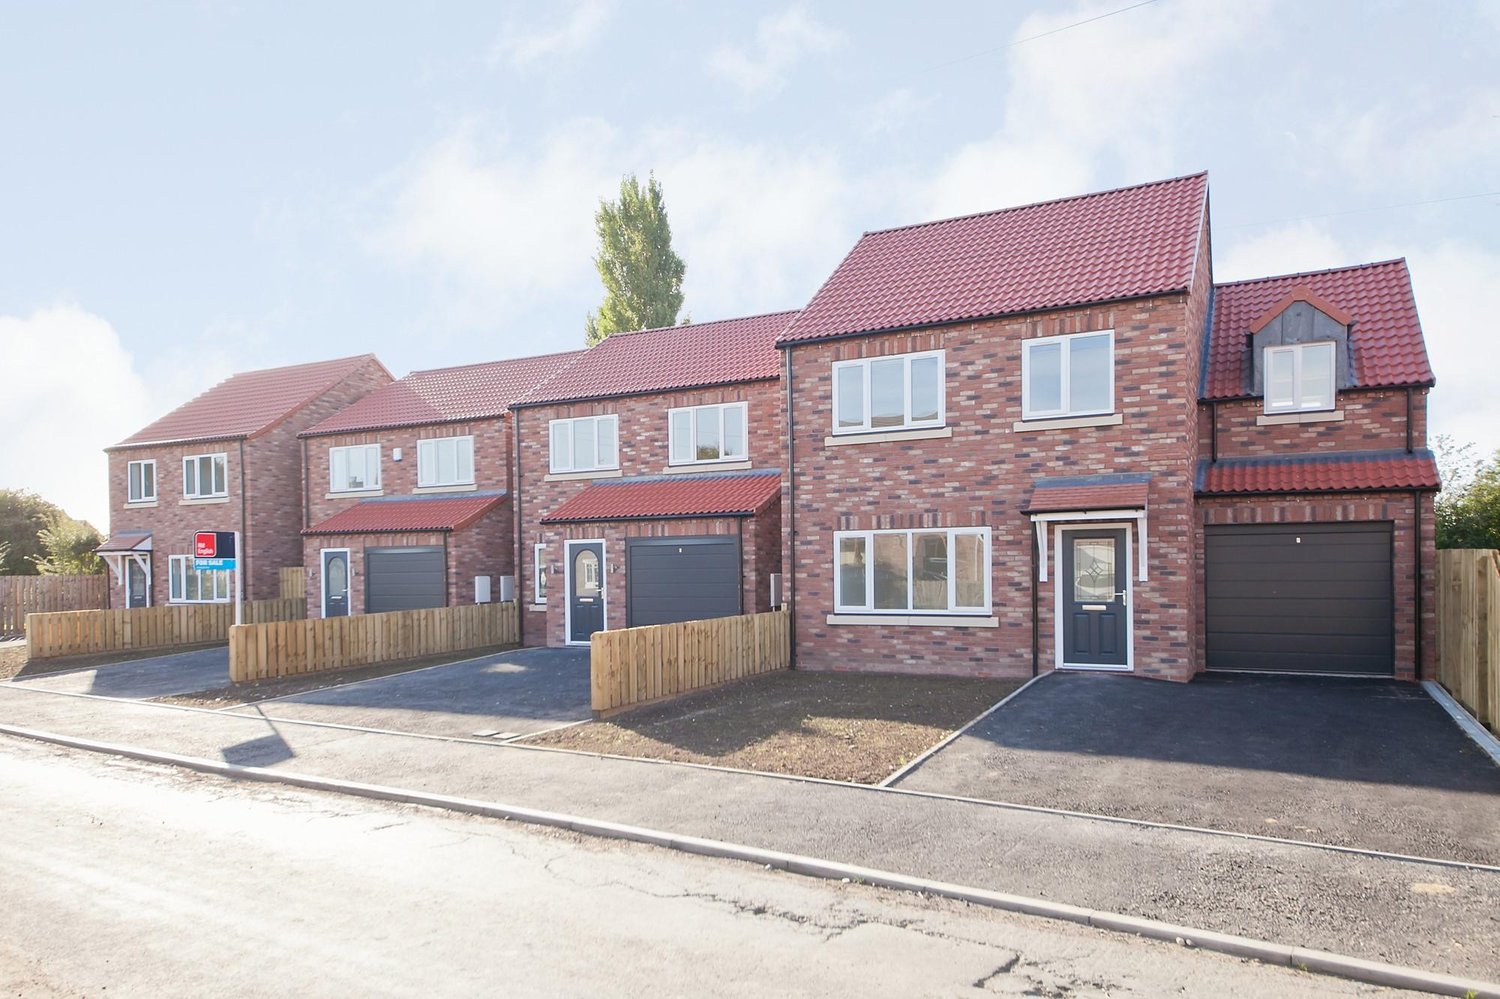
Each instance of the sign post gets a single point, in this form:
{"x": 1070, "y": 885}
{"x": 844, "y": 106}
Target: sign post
{"x": 220, "y": 550}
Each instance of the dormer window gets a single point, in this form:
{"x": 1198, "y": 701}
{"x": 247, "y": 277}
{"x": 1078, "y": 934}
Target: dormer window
{"x": 1300, "y": 377}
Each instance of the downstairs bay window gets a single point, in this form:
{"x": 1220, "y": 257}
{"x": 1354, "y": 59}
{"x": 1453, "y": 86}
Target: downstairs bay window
{"x": 929, "y": 571}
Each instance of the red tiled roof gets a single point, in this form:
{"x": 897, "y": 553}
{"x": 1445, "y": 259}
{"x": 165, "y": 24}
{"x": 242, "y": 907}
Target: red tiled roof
{"x": 1103, "y": 492}
{"x": 444, "y": 513}
{"x": 1301, "y": 293}
{"x": 1386, "y": 335}
{"x": 1116, "y": 244}
{"x": 727, "y": 494}
{"x": 674, "y": 357}
{"x": 447, "y": 395}
{"x": 124, "y": 541}
{"x": 248, "y": 403}
{"x": 1352, "y": 471}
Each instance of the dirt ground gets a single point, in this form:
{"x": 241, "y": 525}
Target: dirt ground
{"x": 13, "y": 661}
{"x": 262, "y": 690}
{"x": 839, "y": 726}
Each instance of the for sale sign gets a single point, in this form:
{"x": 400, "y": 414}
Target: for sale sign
{"x": 214, "y": 550}
{"x": 206, "y": 544}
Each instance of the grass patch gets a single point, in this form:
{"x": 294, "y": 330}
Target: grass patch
{"x": 264, "y": 690}
{"x": 839, "y": 726}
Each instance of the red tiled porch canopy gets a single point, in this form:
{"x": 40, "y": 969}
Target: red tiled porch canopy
{"x": 1350, "y": 471}
{"x": 408, "y": 515}
{"x": 1082, "y": 498}
{"x": 662, "y": 497}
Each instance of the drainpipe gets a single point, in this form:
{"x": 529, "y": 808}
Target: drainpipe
{"x": 306, "y": 489}
{"x": 789, "y": 544}
{"x": 1416, "y": 508}
{"x": 1036, "y": 639}
{"x": 515, "y": 509}
{"x": 1408, "y": 421}
{"x": 243, "y": 568}
{"x": 1213, "y": 431}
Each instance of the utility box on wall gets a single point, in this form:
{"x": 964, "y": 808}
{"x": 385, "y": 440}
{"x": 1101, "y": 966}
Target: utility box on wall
{"x": 507, "y": 589}
{"x": 776, "y": 595}
{"x": 481, "y": 589}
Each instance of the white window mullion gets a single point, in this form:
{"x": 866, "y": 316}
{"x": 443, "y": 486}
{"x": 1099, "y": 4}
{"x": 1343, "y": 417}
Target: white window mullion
{"x": 952, "y": 570}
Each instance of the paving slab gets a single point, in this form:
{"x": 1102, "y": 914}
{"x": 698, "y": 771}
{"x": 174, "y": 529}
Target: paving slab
{"x": 516, "y": 693}
{"x": 159, "y": 676}
{"x": 1441, "y": 918}
{"x": 1351, "y": 762}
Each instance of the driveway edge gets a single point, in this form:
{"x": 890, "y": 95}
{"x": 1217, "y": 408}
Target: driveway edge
{"x": 933, "y": 750}
{"x": 1322, "y": 962}
{"x": 1482, "y": 736}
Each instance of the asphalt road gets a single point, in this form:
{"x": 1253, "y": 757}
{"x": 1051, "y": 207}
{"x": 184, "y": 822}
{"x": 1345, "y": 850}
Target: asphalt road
{"x": 125, "y": 879}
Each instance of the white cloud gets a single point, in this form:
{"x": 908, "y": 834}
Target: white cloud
{"x": 73, "y": 390}
{"x": 781, "y": 41}
{"x": 1299, "y": 246}
{"x": 1108, "y": 93}
{"x": 893, "y": 111}
{"x": 582, "y": 27}
{"x": 1419, "y": 142}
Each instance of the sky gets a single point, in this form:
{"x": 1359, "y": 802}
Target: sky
{"x": 193, "y": 189}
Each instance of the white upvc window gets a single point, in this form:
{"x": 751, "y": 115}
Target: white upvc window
{"x": 928, "y": 571}
{"x": 708, "y": 433}
{"x": 140, "y": 478}
{"x": 205, "y": 476}
{"x": 445, "y": 461}
{"x": 1072, "y": 375}
{"x": 900, "y": 392}
{"x": 1299, "y": 378}
{"x": 539, "y": 561}
{"x": 585, "y": 444}
{"x": 355, "y": 468}
{"x": 197, "y": 586}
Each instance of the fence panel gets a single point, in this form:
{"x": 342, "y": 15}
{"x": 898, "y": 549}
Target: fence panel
{"x": 1468, "y": 626}
{"x": 293, "y": 583}
{"x": 263, "y": 651}
{"x": 636, "y": 665}
{"x": 93, "y": 632}
{"x": 22, "y": 595}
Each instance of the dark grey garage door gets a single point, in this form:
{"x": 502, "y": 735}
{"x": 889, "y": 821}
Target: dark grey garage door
{"x": 1300, "y": 598}
{"x": 682, "y": 579}
{"x": 404, "y": 579}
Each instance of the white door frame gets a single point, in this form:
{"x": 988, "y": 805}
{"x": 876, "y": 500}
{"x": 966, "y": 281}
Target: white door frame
{"x": 1057, "y": 595}
{"x": 323, "y": 581}
{"x": 568, "y": 584}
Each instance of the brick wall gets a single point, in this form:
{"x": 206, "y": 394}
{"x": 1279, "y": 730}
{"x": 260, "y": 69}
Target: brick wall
{"x": 983, "y": 475}
{"x": 643, "y": 446}
{"x": 1373, "y": 420}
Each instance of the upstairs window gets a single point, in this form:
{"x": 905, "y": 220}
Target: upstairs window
{"x": 707, "y": 433}
{"x": 1300, "y": 377}
{"x": 140, "y": 477}
{"x": 446, "y": 461}
{"x": 903, "y": 392}
{"x": 585, "y": 444}
{"x": 1071, "y": 375}
{"x": 354, "y": 469}
{"x": 205, "y": 476}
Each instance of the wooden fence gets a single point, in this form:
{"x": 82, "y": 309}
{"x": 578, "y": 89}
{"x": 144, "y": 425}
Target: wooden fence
{"x": 635, "y": 665}
{"x": 293, "y": 583}
{"x": 262, "y": 651}
{"x": 78, "y": 633}
{"x": 22, "y": 595}
{"x": 1468, "y": 626}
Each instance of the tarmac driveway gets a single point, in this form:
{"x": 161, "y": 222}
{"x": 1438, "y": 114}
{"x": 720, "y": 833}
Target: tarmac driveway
{"x": 518, "y": 692}
{"x": 1366, "y": 763}
{"x": 179, "y": 673}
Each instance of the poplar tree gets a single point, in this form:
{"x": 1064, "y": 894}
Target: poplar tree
{"x": 642, "y": 275}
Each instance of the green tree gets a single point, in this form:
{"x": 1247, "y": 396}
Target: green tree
{"x": 69, "y": 545}
{"x": 1468, "y": 508}
{"x": 23, "y": 517}
{"x": 642, "y": 275}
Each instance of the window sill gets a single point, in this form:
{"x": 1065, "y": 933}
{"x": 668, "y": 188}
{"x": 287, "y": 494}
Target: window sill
{"x": 203, "y": 500}
{"x": 140, "y": 504}
{"x": 888, "y": 436}
{"x": 354, "y": 493}
{"x": 603, "y": 473}
{"x": 538, "y": 607}
{"x": 1285, "y": 419}
{"x": 917, "y": 620}
{"x": 1068, "y": 423}
{"x": 460, "y": 487}
{"x": 707, "y": 466}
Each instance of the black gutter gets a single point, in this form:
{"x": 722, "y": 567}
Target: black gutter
{"x": 789, "y": 544}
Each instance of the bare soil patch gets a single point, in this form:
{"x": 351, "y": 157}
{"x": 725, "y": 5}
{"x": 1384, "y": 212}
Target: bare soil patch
{"x": 264, "y": 690}
{"x": 838, "y": 726}
{"x": 14, "y": 663}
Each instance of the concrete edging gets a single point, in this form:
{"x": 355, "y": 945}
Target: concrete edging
{"x": 1482, "y": 736}
{"x": 951, "y": 736}
{"x": 1305, "y": 959}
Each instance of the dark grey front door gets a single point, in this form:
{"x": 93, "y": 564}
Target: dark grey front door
{"x": 1094, "y": 616}
{"x": 335, "y": 583}
{"x": 585, "y": 589}
{"x": 136, "y": 594}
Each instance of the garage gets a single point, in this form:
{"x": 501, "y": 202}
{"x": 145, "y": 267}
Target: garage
{"x": 1300, "y": 598}
{"x": 682, "y": 579}
{"x": 404, "y": 579}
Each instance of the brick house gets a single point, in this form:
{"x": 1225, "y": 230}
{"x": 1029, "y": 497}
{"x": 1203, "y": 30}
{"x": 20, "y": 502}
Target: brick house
{"x": 1042, "y": 438}
{"x": 649, "y": 481}
{"x": 229, "y": 460}
{"x": 407, "y": 499}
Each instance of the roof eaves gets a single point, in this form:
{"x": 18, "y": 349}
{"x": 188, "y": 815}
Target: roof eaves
{"x": 402, "y": 425}
{"x": 568, "y": 400}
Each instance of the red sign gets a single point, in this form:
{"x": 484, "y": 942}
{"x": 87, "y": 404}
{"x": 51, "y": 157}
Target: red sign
{"x": 206, "y": 544}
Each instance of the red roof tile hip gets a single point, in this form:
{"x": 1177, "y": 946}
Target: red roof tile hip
{"x": 403, "y": 515}
{"x": 726, "y": 494}
{"x": 1352, "y": 471}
